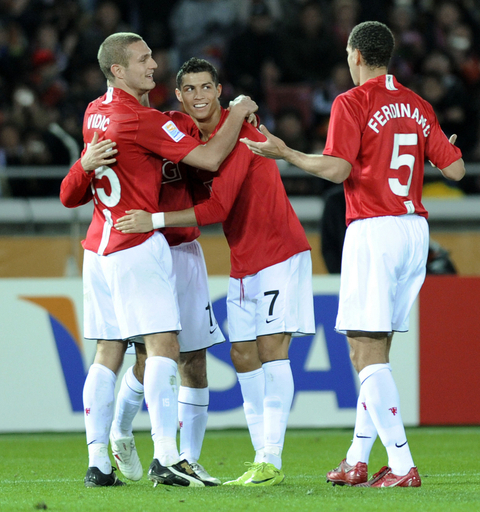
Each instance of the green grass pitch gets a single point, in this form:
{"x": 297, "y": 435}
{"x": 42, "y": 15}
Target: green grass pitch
{"x": 45, "y": 472}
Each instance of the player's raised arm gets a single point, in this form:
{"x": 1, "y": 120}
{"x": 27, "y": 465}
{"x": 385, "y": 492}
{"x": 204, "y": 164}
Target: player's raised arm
{"x": 327, "y": 167}
{"x": 210, "y": 156}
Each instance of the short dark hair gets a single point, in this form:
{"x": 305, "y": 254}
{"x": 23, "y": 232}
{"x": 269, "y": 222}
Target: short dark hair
{"x": 196, "y": 65}
{"x": 375, "y": 42}
{"x": 114, "y": 50}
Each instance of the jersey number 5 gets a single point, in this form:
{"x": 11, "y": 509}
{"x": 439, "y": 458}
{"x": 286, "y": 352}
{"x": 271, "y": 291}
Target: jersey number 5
{"x": 113, "y": 198}
{"x": 402, "y": 139}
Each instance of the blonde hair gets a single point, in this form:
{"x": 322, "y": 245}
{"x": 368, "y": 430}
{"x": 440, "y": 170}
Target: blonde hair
{"x": 114, "y": 50}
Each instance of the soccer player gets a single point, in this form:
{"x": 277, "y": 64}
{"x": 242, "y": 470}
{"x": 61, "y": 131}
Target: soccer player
{"x": 270, "y": 292}
{"x": 380, "y": 135}
{"x": 200, "y": 330}
{"x": 127, "y": 279}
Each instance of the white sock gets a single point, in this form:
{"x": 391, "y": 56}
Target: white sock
{"x": 160, "y": 383}
{"x": 364, "y": 434}
{"x": 98, "y": 403}
{"x": 98, "y": 457}
{"x": 252, "y": 385}
{"x": 192, "y": 416}
{"x": 279, "y": 389}
{"x": 129, "y": 400}
{"x": 383, "y": 403}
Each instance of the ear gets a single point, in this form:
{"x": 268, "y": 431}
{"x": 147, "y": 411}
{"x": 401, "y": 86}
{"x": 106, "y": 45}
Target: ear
{"x": 219, "y": 90}
{"x": 178, "y": 94}
{"x": 357, "y": 56}
{"x": 117, "y": 70}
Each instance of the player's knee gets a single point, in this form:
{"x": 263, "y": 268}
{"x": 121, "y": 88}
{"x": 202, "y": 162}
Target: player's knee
{"x": 235, "y": 355}
{"x": 110, "y": 354}
{"x": 192, "y": 367}
{"x": 272, "y": 348}
{"x": 245, "y": 357}
{"x": 139, "y": 370}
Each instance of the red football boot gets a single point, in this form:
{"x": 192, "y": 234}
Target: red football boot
{"x": 348, "y": 475}
{"x": 385, "y": 478}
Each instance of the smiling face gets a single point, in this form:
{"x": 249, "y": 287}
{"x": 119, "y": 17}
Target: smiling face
{"x": 199, "y": 95}
{"x": 137, "y": 76}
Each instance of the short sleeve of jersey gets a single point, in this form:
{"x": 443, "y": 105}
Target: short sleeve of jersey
{"x": 184, "y": 122}
{"x": 344, "y": 133}
{"x": 159, "y": 134}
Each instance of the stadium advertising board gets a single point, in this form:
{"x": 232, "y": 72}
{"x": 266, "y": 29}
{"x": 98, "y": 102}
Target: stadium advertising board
{"x": 449, "y": 351}
{"x": 45, "y": 360}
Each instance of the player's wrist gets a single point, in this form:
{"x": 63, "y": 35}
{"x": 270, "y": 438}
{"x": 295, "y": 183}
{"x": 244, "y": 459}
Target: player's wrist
{"x": 239, "y": 111}
{"x": 84, "y": 164}
{"x": 240, "y": 108}
{"x": 288, "y": 154}
{"x": 158, "y": 220}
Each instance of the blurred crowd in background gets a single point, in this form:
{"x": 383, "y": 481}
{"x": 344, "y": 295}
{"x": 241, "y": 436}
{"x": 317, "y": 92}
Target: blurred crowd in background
{"x": 289, "y": 55}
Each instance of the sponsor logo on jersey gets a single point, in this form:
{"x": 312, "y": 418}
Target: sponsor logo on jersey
{"x": 172, "y": 130}
{"x": 170, "y": 172}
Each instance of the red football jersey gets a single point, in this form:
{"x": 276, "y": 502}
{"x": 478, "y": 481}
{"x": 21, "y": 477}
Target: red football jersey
{"x": 144, "y": 137}
{"x": 249, "y": 199}
{"x": 176, "y": 193}
{"x": 386, "y": 132}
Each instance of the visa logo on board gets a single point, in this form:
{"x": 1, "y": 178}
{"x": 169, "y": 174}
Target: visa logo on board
{"x": 338, "y": 377}
{"x": 63, "y": 320}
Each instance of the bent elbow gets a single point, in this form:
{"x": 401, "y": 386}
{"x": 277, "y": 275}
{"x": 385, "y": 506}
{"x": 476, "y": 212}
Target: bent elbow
{"x": 208, "y": 165}
{"x": 70, "y": 200}
{"x": 338, "y": 179}
{"x": 340, "y": 171}
{"x": 212, "y": 166}
{"x": 65, "y": 201}
{"x": 455, "y": 171}
{"x": 341, "y": 174}
{"x": 457, "y": 176}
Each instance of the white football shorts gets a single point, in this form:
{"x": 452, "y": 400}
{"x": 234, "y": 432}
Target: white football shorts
{"x": 383, "y": 268}
{"x": 199, "y": 325}
{"x": 277, "y": 299}
{"x": 131, "y": 292}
